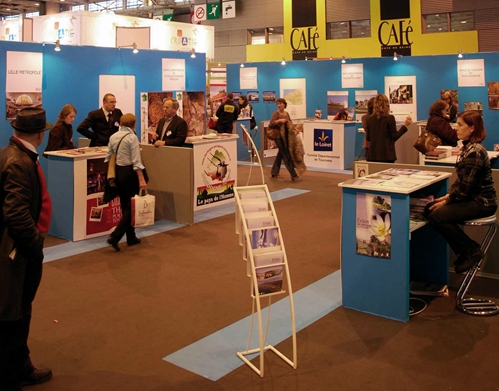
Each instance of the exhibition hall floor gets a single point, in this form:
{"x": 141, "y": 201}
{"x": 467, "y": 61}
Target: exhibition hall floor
{"x": 170, "y": 313}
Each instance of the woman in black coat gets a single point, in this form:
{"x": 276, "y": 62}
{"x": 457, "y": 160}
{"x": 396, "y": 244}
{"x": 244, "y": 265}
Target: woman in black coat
{"x": 382, "y": 132}
{"x": 61, "y": 134}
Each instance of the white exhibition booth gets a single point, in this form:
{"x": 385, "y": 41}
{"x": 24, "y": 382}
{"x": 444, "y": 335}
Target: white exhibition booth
{"x": 85, "y": 28}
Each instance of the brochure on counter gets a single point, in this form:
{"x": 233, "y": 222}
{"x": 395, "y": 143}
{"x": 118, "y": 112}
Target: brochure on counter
{"x": 402, "y": 178}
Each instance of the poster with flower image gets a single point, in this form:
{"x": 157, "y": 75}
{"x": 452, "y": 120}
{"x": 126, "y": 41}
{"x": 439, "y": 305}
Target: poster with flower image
{"x": 373, "y": 225}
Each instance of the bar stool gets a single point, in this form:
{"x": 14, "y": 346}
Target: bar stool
{"x": 471, "y": 306}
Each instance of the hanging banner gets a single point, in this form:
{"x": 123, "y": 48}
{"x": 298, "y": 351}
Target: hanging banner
{"x": 470, "y": 73}
{"x": 352, "y": 75}
{"x": 248, "y": 78}
{"x": 23, "y": 82}
{"x": 173, "y": 73}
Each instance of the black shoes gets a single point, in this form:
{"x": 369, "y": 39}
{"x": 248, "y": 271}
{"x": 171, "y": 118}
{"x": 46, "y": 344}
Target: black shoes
{"x": 36, "y": 377}
{"x": 134, "y": 241}
{"x": 113, "y": 243}
{"x": 469, "y": 259}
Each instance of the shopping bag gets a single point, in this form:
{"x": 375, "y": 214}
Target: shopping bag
{"x": 143, "y": 209}
{"x": 212, "y": 123}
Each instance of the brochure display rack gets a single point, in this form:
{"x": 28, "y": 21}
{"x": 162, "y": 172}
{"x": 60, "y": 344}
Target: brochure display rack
{"x": 266, "y": 265}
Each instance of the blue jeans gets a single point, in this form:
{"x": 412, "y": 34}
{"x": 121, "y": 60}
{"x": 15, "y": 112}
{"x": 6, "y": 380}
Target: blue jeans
{"x": 446, "y": 219}
{"x": 283, "y": 154}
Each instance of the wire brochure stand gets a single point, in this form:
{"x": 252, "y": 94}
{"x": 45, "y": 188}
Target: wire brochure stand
{"x": 266, "y": 264}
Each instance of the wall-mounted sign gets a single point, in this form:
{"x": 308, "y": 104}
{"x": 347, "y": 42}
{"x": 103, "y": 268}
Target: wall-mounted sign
{"x": 470, "y": 73}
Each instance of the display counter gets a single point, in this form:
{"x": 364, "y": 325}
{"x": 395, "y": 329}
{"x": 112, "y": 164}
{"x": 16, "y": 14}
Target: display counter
{"x": 382, "y": 249}
{"x": 451, "y": 160}
{"x": 75, "y": 181}
{"x": 200, "y": 175}
{"x": 329, "y": 144}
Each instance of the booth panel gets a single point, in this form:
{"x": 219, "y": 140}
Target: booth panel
{"x": 170, "y": 171}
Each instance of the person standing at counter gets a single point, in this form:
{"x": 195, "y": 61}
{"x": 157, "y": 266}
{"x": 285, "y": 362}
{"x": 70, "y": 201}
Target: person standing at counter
{"x": 451, "y": 112}
{"x": 438, "y": 124}
{"x": 61, "y": 134}
{"x": 365, "y": 123}
{"x": 172, "y": 129}
{"x": 381, "y": 132}
{"x": 227, "y": 114}
{"x": 26, "y": 215}
{"x": 246, "y": 108}
{"x": 102, "y": 123}
{"x": 129, "y": 177}
{"x": 471, "y": 196}
{"x": 283, "y": 126}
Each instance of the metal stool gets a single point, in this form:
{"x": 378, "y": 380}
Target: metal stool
{"x": 471, "y": 306}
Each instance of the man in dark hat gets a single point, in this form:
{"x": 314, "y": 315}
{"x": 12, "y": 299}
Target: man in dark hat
{"x": 100, "y": 124}
{"x": 26, "y": 213}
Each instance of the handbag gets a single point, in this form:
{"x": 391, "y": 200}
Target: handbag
{"x": 110, "y": 186}
{"x": 427, "y": 141}
{"x": 143, "y": 209}
{"x": 212, "y": 123}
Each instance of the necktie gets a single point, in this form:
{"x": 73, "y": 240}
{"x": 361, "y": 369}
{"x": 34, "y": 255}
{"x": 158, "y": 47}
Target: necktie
{"x": 43, "y": 223}
{"x": 110, "y": 118}
{"x": 165, "y": 126}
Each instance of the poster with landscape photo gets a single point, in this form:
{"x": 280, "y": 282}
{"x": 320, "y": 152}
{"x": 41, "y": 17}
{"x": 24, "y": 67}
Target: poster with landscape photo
{"x": 294, "y": 91}
{"x": 401, "y": 93}
{"x": 361, "y": 99}
{"x": 493, "y": 95}
{"x": 336, "y": 100}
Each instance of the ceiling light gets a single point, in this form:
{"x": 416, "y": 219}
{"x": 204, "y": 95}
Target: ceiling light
{"x": 193, "y": 53}
{"x": 242, "y": 65}
{"x": 343, "y": 60}
{"x": 396, "y": 56}
{"x": 460, "y": 54}
{"x": 57, "y": 46}
{"x": 283, "y": 62}
{"x": 135, "y": 50}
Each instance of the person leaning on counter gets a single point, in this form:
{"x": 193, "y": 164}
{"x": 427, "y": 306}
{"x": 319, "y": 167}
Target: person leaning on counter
{"x": 103, "y": 122}
{"x": 61, "y": 134}
{"x": 172, "y": 129}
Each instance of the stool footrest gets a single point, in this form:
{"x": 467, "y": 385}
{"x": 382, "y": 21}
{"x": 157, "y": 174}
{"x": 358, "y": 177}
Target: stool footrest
{"x": 478, "y": 307}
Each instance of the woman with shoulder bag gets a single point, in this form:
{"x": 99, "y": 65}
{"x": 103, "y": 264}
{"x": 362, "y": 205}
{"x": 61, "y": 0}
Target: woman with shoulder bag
{"x": 438, "y": 124}
{"x": 129, "y": 177}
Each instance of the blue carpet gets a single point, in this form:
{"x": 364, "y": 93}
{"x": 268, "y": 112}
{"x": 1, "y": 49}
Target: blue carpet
{"x": 215, "y": 355}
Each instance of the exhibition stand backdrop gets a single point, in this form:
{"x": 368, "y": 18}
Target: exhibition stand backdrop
{"x": 432, "y": 74}
{"x": 72, "y": 76}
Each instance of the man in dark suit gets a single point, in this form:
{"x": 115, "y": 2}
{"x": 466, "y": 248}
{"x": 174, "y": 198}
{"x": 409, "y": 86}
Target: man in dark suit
{"x": 102, "y": 123}
{"x": 172, "y": 129}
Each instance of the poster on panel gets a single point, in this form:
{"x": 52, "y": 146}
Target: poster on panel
{"x": 373, "y": 225}
{"x": 471, "y": 73}
{"x": 336, "y": 100}
{"x": 352, "y": 75}
{"x": 173, "y": 74}
{"x": 295, "y": 93}
{"x": 23, "y": 84}
{"x": 361, "y": 100}
{"x": 248, "y": 78}
{"x": 151, "y": 111}
{"x": 401, "y": 93}
{"x": 215, "y": 173}
{"x": 193, "y": 110}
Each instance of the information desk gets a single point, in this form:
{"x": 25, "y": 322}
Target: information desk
{"x": 382, "y": 250}
{"x": 199, "y": 175}
{"x": 329, "y": 144}
{"x": 75, "y": 181}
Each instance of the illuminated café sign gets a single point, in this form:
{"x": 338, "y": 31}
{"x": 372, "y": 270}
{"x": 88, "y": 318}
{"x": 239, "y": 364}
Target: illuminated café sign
{"x": 394, "y": 31}
{"x": 304, "y": 34}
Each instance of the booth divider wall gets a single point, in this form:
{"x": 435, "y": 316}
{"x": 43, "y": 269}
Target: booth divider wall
{"x": 72, "y": 76}
{"x": 433, "y": 73}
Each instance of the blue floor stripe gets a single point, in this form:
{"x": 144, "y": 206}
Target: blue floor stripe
{"x": 68, "y": 249}
{"x": 215, "y": 355}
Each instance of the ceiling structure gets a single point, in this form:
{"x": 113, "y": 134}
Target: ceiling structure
{"x": 16, "y": 7}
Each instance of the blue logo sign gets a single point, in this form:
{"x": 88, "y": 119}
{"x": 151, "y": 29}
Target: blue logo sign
{"x": 323, "y": 140}
{"x": 185, "y": 41}
{"x": 60, "y": 33}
